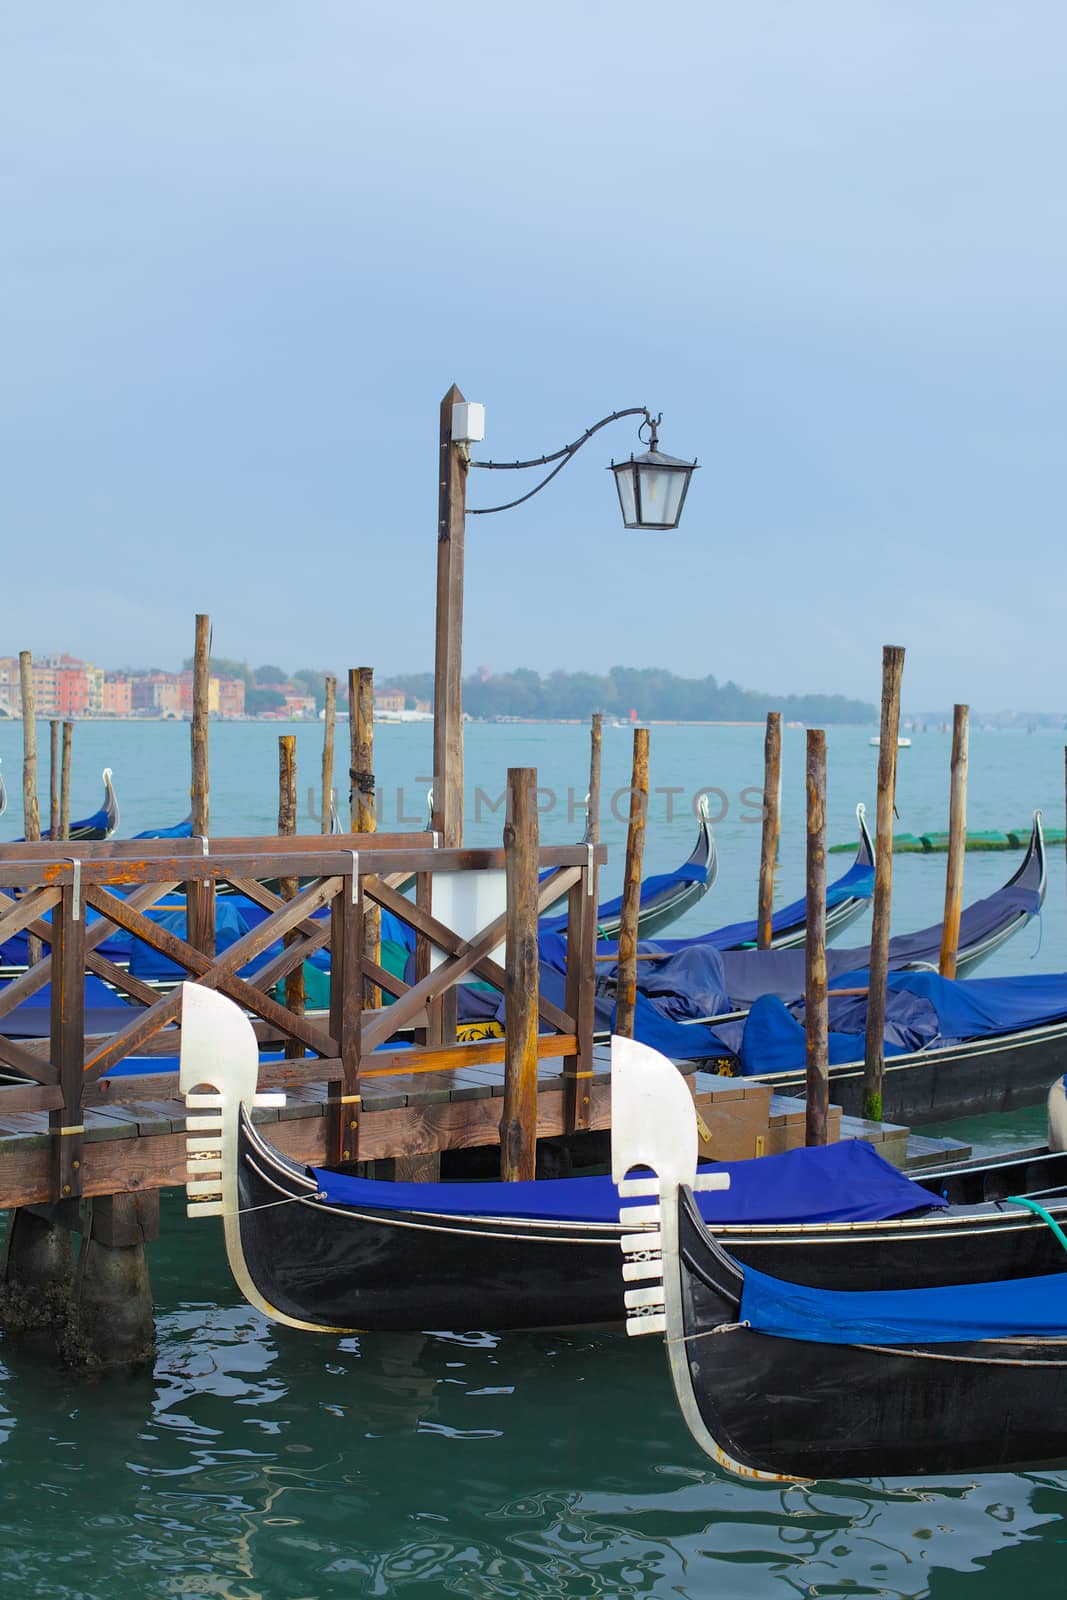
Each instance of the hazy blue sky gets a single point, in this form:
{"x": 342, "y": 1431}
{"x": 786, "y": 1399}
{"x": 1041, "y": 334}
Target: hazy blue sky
{"x": 248, "y": 246}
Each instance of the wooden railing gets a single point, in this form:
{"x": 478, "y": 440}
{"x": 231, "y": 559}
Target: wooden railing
{"x": 48, "y": 889}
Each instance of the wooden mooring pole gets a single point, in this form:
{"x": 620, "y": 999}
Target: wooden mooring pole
{"x": 290, "y": 887}
{"x": 329, "y": 727}
{"x": 592, "y": 809}
{"x": 518, "y": 1127}
{"x": 366, "y": 815}
{"x": 772, "y": 783}
{"x": 53, "y": 780}
{"x": 626, "y": 981}
{"x": 596, "y": 744}
{"x": 816, "y": 1022}
{"x": 31, "y": 816}
{"x": 64, "y": 781}
{"x": 892, "y": 671}
{"x": 200, "y": 897}
{"x": 957, "y": 844}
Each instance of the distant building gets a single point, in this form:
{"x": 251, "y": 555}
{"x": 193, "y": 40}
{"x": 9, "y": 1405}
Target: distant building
{"x": 116, "y": 695}
{"x": 298, "y": 704}
{"x": 10, "y": 694}
{"x": 389, "y": 699}
{"x": 231, "y": 697}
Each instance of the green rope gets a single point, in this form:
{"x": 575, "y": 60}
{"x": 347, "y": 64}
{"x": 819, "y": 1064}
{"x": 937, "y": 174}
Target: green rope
{"x": 1039, "y": 1211}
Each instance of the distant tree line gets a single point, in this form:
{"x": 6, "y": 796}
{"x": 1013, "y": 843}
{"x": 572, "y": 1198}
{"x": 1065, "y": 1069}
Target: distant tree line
{"x": 650, "y": 691}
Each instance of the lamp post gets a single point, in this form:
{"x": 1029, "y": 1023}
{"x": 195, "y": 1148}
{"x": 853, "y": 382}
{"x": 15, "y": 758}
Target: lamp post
{"x": 652, "y": 488}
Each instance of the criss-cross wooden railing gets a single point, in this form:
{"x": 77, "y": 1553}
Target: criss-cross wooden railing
{"x": 74, "y": 897}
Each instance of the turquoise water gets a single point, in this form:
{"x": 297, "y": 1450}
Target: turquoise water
{"x": 256, "y": 1463}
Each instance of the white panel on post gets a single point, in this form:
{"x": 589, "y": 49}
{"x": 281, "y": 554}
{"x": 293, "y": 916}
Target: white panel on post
{"x": 468, "y": 422}
{"x": 467, "y": 902}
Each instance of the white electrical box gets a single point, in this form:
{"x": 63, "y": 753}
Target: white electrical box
{"x": 466, "y": 902}
{"x": 468, "y": 422}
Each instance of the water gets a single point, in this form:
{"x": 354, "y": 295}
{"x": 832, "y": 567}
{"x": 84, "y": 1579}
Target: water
{"x": 256, "y": 1463}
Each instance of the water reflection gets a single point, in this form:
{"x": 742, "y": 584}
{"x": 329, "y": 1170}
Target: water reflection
{"x": 256, "y": 1464}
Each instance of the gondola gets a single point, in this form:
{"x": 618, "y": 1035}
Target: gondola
{"x": 664, "y": 897}
{"x": 319, "y": 1249}
{"x": 846, "y": 899}
{"x": 985, "y": 925}
{"x": 920, "y": 1379}
{"x": 695, "y": 980}
{"x": 995, "y": 1045}
{"x": 180, "y": 830}
{"x": 102, "y": 823}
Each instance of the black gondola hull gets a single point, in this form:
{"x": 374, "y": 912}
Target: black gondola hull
{"x": 799, "y": 1409}
{"x": 974, "y": 1078}
{"x": 335, "y": 1267}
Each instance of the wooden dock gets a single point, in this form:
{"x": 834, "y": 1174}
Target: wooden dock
{"x": 387, "y": 1089}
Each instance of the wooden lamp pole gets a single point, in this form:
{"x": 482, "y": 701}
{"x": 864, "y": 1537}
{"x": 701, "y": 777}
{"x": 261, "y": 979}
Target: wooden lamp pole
{"x": 448, "y": 644}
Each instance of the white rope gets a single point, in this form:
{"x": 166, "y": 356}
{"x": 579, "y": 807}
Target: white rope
{"x": 269, "y": 1205}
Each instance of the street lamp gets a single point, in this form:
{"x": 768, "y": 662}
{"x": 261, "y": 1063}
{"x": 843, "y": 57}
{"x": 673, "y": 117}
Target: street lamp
{"x": 652, "y": 489}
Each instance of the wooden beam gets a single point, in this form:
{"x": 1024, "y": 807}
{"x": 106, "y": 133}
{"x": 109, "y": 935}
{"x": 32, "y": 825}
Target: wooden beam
{"x": 329, "y": 728}
{"x": 772, "y": 784}
{"x": 31, "y": 816}
{"x": 64, "y": 782}
{"x": 816, "y": 1023}
{"x": 957, "y": 844}
{"x": 53, "y": 780}
{"x": 346, "y": 1021}
{"x": 287, "y": 811}
{"x": 448, "y": 642}
{"x": 626, "y": 979}
{"x": 892, "y": 671}
{"x": 596, "y": 743}
{"x": 68, "y": 1034}
{"x": 12, "y": 994}
{"x": 518, "y": 1126}
{"x": 367, "y": 819}
{"x": 200, "y": 897}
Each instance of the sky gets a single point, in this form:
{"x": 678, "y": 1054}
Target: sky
{"x": 248, "y": 247}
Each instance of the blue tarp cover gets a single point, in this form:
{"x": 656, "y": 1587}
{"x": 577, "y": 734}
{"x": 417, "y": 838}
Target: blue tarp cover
{"x": 180, "y": 830}
{"x": 847, "y": 1182}
{"x": 651, "y": 889}
{"x": 957, "y": 1314}
{"x": 923, "y": 1010}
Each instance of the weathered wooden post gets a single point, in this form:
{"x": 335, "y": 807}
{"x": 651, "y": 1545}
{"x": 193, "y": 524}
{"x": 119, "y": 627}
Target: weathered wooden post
{"x": 816, "y": 1022}
{"x": 366, "y": 815}
{"x": 626, "y": 982}
{"x": 596, "y": 741}
{"x": 328, "y": 734}
{"x": 64, "y": 781}
{"x": 31, "y": 816}
{"x": 957, "y": 844}
{"x": 452, "y": 470}
{"x": 31, "y": 823}
{"x": 200, "y": 895}
{"x": 772, "y": 781}
{"x": 53, "y": 781}
{"x": 290, "y": 887}
{"x": 518, "y": 1127}
{"x": 581, "y": 954}
{"x": 892, "y": 671}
